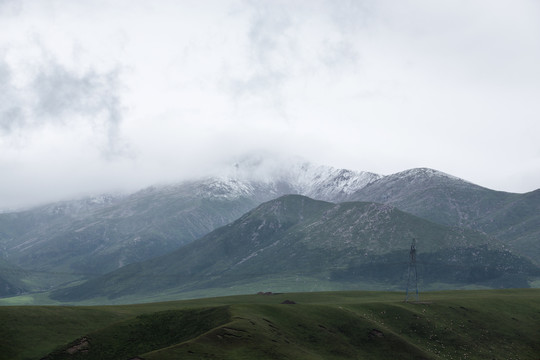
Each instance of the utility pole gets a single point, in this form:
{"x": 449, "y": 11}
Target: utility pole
{"x": 412, "y": 267}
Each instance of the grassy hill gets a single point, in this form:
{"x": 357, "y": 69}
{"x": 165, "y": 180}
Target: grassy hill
{"x": 494, "y": 324}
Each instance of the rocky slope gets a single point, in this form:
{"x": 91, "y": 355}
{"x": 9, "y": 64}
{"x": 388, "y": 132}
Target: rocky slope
{"x": 445, "y": 199}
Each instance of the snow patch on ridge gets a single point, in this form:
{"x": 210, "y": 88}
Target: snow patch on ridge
{"x": 317, "y": 182}
{"x": 225, "y": 188}
{"x": 328, "y": 183}
{"x": 425, "y": 173}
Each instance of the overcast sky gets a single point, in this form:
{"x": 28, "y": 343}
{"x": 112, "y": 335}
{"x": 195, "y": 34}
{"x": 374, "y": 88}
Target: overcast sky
{"x": 104, "y": 95}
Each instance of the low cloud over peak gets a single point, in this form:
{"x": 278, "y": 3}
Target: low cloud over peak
{"x": 129, "y": 93}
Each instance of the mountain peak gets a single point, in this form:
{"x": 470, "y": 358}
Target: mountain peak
{"x": 424, "y": 176}
{"x": 426, "y": 173}
{"x": 257, "y": 176}
{"x": 329, "y": 183}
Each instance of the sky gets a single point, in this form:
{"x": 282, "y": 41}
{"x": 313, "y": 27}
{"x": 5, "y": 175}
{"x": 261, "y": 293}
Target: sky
{"x": 99, "y": 96}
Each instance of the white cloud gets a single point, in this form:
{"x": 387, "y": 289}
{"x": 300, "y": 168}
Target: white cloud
{"x": 173, "y": 88}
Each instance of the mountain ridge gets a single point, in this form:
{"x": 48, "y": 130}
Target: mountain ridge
{"x": 323, "y": 241}
{"x": 96, "y": 235}
{"x": 451, "y": 201}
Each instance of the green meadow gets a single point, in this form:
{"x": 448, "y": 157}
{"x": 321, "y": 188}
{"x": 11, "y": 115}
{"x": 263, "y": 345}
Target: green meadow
{"x": 465, "y": 324}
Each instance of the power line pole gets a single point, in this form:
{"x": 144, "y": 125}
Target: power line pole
{"x": 412, "y": 267}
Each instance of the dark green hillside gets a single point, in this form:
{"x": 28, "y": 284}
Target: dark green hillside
{"x": 502, "y": 324}
{"x": 32, "y": 332}
{"x": 10, "y": 279}
{"x": 144, "y": 333}
{"x": 333, "y": 246}
{"x": 9, "y": 288}
{"x": 476, "y": 265}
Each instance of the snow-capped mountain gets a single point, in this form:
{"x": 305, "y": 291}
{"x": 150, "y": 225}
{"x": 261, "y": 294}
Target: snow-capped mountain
{"x": 100, "y": 234}
{"x": 328, "y": 183}
{"x": 302, "y": 178}
{"x": 435, "y": 195}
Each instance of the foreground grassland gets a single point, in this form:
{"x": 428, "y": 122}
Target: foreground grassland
{"x": 491, "y": 324}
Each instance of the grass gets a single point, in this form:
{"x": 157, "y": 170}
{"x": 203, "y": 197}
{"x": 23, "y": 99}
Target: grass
{"x": 29, "y": 299}
{"x": 277, "y": 284}
{"x": 478, "y": 324}
{"x": 144, "y": 333}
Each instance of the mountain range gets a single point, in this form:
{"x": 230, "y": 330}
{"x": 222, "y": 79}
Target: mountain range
{"x": 445, "y": 199}
{"x": 77, "y": 239}
{"x": 60, "y": 244}
{"x": 298, "y": 237}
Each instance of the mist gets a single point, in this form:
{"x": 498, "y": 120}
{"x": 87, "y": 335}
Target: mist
{"x": 115, "y": 96}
